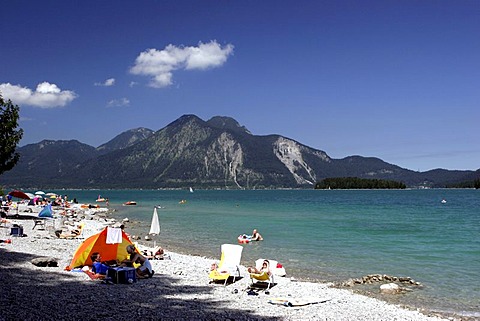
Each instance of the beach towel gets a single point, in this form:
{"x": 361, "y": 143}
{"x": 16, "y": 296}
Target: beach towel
{"x": 114, "y": 235}
{"x": 292, "y": 302}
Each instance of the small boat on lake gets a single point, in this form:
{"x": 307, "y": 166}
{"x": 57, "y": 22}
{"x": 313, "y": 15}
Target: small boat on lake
{"x": 130, "y": 203}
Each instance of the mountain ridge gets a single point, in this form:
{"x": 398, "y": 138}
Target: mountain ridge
{"x": 218, "y": 153}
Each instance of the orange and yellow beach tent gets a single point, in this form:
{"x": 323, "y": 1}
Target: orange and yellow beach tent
{"x": 98, "y": 243}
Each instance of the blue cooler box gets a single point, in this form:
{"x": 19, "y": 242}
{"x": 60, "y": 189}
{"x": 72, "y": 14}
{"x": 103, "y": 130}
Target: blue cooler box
{"x": 122, "y": 275}
{"x": 16, "y": 231}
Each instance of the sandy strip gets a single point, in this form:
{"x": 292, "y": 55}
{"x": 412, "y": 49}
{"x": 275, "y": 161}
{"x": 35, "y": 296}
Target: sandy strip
{"x": 179, "y": 290}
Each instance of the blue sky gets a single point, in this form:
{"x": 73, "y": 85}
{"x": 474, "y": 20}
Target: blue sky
{"x": 398, "y": 80}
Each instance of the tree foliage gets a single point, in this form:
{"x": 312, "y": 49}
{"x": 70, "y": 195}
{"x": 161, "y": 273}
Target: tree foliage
{"x": 468, "y": 184}
{"x": 9, "y": 135}
{"x": 358, "y": 183}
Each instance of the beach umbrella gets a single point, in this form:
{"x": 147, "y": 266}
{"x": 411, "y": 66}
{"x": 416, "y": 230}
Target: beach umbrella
{"x": 19, "y": 194}
{"x": 155, "y": 226}
{"x": 39, "y": 193}
{"x": 30, "y": 195}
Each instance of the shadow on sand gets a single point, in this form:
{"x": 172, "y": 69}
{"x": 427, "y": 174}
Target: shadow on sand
{"x": 28, "y": 294}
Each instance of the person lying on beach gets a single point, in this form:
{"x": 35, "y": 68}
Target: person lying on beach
{"x": 256, "y": 236}
{"x": 156, "y": 254}
{"x": 73, "y": 233}
{"x": 265, "y": 268}
{"x": 99, "y": 270}
{"x": 145, "y": 269}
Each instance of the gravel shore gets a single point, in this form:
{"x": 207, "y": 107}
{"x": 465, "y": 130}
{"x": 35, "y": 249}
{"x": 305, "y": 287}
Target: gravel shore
{"x": 179, "y": 290}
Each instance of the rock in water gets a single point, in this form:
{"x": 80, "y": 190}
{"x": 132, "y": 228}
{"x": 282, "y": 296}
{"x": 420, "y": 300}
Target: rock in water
{"x": 389, "y": 288}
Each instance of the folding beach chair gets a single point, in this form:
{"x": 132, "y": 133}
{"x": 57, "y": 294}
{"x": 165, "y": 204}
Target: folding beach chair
{"x": 229, "y": 263}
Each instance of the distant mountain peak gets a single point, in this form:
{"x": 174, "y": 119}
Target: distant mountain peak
{"x": 223, "y": 122}
{"x": 125, "y": 139}
{"x": 185, "y": 119}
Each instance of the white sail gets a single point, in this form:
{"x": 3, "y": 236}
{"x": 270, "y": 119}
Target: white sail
{"x": 155, "y": 226}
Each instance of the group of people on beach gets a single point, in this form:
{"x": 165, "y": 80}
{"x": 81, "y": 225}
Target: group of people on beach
{"x": 100, "y": 268}
{"x": 7, "y": 202}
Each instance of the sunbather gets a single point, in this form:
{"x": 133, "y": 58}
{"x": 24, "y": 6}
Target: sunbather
{"x": 156, "y": 254}
{"x": 265, "y": 268}
{"x": 73, "y": 233}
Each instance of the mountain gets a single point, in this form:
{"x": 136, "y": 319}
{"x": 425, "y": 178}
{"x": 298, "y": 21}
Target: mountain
{"x": 125, "y": 140}
{"x": 218, "y": 153}
{"x": 190, "y": 151}
{"x": 48, "y": 163}
{"x": 231, "y": 124}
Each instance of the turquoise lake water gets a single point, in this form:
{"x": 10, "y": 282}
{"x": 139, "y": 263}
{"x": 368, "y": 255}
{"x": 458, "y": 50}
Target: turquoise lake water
{"x": 329, "y": 235}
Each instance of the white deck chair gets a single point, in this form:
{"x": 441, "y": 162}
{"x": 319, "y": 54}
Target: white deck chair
{"x": 229, "y": 263}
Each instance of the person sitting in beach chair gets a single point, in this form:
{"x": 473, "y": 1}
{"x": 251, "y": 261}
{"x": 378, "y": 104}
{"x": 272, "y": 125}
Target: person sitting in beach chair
{"x": 145, "y": 269}
{"x": 261, "y": 272}
{"x": 230, "y": 257}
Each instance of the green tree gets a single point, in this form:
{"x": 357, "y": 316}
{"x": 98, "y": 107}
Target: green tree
{"x": 9, "y": 135}
{"x": 357, "y": 183}
{"x": 476, "y": 183}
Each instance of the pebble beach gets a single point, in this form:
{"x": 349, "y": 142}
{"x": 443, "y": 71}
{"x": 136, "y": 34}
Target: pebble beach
{"x": 179, "y": 290}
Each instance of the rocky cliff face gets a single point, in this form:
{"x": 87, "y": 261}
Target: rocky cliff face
{"x": 290, "y": 153}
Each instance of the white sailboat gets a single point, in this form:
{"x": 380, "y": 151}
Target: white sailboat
{"x": 155, "y": 226}
{"x": 191, "y": 190}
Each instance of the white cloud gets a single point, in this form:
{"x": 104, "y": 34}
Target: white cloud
{"x": 160, "y": 64}
{"x": 46, "y": 95}
{"x": 118, "y": 102}
{"x": 109, "y": 82}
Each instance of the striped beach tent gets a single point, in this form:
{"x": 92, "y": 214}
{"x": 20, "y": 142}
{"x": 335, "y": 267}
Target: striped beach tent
{"x": 98, "y": 243}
